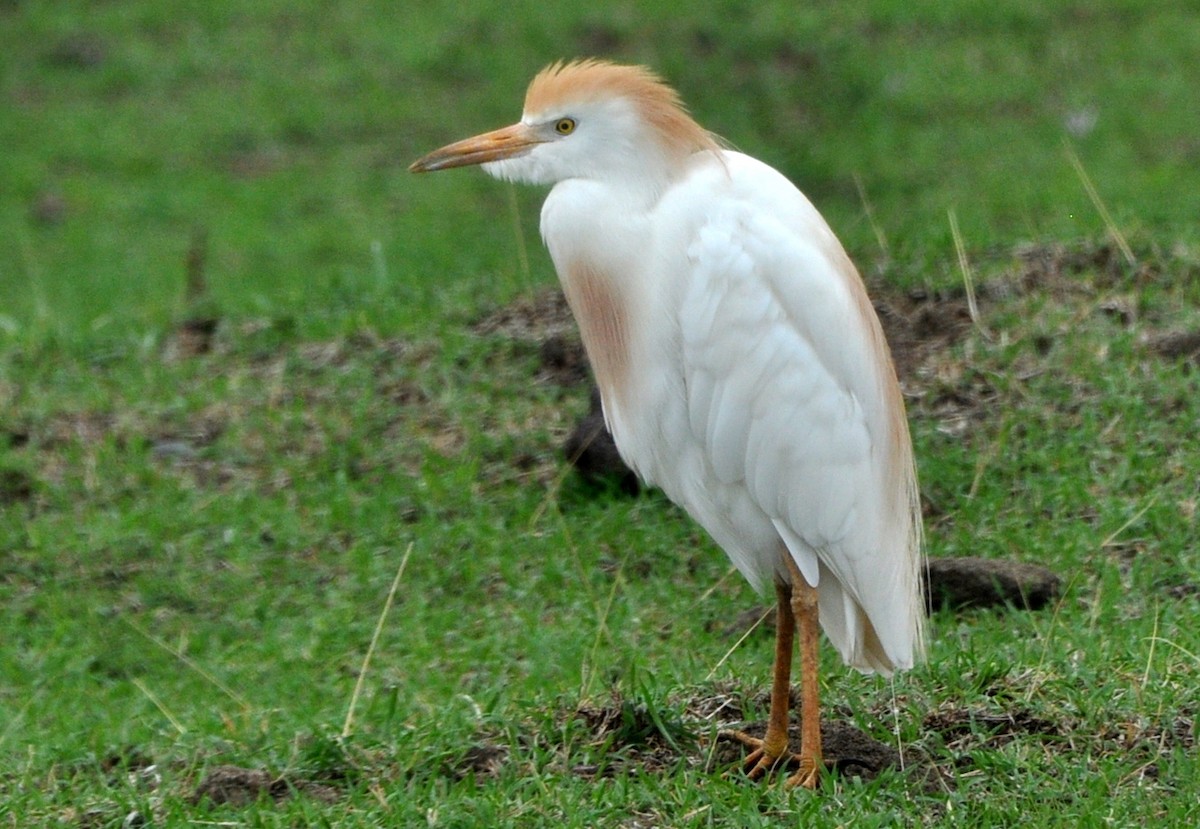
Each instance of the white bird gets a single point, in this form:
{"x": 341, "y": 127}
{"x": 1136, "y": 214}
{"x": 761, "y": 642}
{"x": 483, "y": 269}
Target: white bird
{"x": 740, "y": 363}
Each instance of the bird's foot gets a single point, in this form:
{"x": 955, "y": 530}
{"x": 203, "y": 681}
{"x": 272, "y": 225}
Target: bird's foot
{"x": 767, "y": 756}
{"x": 807, "y": 777}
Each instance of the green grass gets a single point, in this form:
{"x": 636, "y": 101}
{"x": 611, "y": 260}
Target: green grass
{"x": 195, "y": 551}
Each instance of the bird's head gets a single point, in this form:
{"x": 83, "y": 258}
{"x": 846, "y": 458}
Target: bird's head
{"x": 585, "y": 119}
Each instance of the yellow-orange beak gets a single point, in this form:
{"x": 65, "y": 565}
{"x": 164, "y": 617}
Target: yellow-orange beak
{"x": 490, "y": 146}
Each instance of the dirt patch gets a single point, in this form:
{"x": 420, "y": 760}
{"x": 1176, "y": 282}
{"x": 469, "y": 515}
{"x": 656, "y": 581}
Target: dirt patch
{"x": 1176, "y": 345}
{"x": 625, "y": 736}
{"x": 919, "y": 324}
{"x": 482, "y": 761}
{"x": 1056, "y": 266}
{"x": 542, "y": 322}
{"x": 238, "y": 440}
{"x": 192, "y": 338}
{"x": 237, "y": 786}
{"x": 627, "y": 733}
{"x": 1181, "y": 730}
{"x": 1186, "y": 590}
{"x": 78, "y": 51}
{"x": 531, "y": 318}
{"x": 968, "y": 728}
{"x": 15, "y": 485}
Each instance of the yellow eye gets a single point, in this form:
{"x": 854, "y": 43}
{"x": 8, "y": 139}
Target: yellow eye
{"x": 565, "y": 126}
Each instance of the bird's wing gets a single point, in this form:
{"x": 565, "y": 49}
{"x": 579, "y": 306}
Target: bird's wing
{"x": 784, "y": 386}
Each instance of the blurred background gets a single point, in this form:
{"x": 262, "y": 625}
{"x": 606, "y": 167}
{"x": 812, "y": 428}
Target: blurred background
{"x": 270, "y": 139}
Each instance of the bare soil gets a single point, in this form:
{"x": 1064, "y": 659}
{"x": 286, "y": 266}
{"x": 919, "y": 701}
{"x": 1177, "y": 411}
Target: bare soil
{"x": 237, "y": 786}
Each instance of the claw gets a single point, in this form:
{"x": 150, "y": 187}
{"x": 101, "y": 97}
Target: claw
{"x": 761, "y": 760}
{"x": 806, "y": 778}
{"x": 758, "y": 764}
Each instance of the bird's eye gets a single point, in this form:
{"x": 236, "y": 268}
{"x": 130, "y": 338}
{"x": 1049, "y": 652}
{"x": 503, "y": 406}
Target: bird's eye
{"x": 565, "y": 126}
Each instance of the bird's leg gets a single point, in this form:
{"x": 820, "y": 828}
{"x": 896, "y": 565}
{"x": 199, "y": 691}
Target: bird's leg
{"x": 768, "y": 751}
{"x": 804, "y": 609}
{"x": 774, "y": 746}
{"x": 797, "y": 607}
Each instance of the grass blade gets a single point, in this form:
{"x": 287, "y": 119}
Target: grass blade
{"x": 362, "y": 671}
{"x": 1109, "y": 225}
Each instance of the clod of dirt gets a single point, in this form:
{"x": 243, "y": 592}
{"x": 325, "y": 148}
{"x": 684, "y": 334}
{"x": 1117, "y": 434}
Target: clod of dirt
{"x": 919, "y": 326}
{"x": 15, "y": 485}
{"x": 1183, "y": 591}
{"x": 978, "y": 582}
{"x": 530, "y": 318}
{"x": 563, "y": 360}
{"x": 1177, "y": 345}
{"x": 78, "y": 51}
{"x": 15, "y": 437}
{"x": 481, "y": 761}
{"x": 192, "y": 338}
{"x": 49, "y": 208}
{"x": 1052, "y": 266}
{"x": 592, "y": 450}
{"x": 236, "y": 786}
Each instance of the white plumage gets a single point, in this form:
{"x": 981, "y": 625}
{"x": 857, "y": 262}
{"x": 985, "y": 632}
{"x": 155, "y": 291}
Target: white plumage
{"x": 741, "y": 365}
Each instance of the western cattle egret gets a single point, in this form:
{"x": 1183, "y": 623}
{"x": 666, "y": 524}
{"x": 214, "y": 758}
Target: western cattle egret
{"x": 740, "y": 363}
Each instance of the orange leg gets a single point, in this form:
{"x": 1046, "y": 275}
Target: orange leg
{"x": 768, "y": 751}
{"x": 797, "y": 605}
{"x": 804, "y": 609}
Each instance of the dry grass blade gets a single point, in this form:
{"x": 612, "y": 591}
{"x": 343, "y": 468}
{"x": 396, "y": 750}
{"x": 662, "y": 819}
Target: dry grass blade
{"x": 737, "y": 644}
{"x": 964, "y": 267}
{"x": 1170, "y": 643}
{"x": 875, "y": 228}
{"x": 362, "y": 672}
{"x": 1133, "y": 519}
{"x": 1113, "y": 231}
{"x": 212, "y": 680}
{"x": 166, "y": 712}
